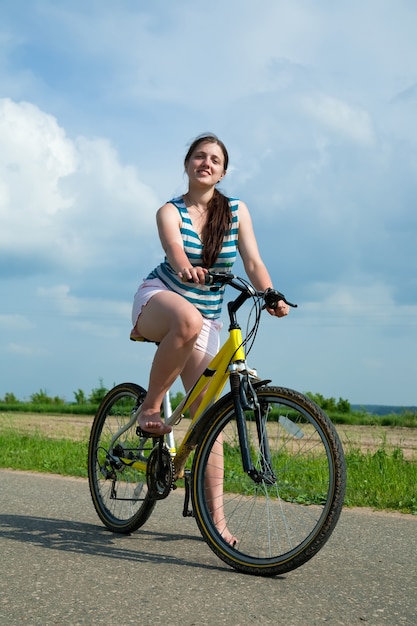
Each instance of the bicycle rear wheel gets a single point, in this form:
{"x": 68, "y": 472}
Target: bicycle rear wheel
{"x": 285, "y": 515}
{"x": 119, "y": 492}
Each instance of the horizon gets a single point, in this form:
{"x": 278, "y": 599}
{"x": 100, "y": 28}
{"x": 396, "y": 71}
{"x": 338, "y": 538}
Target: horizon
{"x": 353, "y": 406}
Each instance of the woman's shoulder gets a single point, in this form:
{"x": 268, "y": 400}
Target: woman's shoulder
{"x": 177, "y": 202}
{"x": 169, "y": 213}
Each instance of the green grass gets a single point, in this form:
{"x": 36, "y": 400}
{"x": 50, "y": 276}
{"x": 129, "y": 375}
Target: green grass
{"x": 48, "y": 409}
{"x": 406, "y": 419}
{"x": 382, "y": 480}
{"x": 35, "y": 452}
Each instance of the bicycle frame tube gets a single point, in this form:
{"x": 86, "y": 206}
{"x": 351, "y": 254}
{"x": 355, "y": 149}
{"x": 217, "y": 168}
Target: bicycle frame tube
{"x": 212, "y": 381}
{"x": 216, "y": 374}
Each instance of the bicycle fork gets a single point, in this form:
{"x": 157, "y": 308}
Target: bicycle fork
{"x": 245, "y": 398}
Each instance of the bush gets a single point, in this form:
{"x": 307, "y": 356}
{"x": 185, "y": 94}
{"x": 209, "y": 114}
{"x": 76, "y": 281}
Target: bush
{"x": 97, "y": 394}
{"x": 329, "y": 404}
{"x": 42, "y": 398}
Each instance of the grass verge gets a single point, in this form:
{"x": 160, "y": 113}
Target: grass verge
{"x": 381, "y": 479}
{"x": 37, "y": 453}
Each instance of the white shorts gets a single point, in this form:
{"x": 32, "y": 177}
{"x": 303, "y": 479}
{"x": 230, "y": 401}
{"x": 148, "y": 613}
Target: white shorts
{"x": 208, "y": 340}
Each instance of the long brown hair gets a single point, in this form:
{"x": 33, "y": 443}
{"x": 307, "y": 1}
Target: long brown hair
{"x": 218, "y": 210}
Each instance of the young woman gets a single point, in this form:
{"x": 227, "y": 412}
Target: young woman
{"x": 199, "y": 231}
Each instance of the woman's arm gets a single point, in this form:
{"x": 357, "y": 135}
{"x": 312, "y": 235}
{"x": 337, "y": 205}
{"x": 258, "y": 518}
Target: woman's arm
{"x": 169, "y": 229}
{"x": 252, "y": 261}
{"x": 249, "y": 251}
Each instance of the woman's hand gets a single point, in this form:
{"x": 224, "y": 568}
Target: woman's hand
{"x": 195, "y": 274}
{"x": 281, "y": 310}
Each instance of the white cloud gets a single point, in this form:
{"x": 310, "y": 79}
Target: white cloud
{"x": 154, "y": 52}
{"x": 25, "y": 350}
{"x": 15, "y": 321}
{"x": 60, "y": 299}
{"x": 35, "y": 155}
{"x": 60, "y": 198}
{"x": 338, "y": 116}
{"x": 362, "y": 300}
{"x": 91, "y": 311}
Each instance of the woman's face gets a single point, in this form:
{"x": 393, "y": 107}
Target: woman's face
{"x": 206, "y": 164}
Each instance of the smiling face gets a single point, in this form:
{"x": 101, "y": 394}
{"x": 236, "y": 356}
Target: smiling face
{"x": 205, "y": 165}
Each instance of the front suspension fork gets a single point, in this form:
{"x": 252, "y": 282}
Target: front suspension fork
{"x": 245, "y": 398}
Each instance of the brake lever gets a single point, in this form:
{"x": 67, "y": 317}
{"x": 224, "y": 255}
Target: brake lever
{"x": 275, "y": 296}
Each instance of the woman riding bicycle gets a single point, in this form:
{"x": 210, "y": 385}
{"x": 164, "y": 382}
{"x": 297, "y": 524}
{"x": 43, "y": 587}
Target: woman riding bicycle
{"x": 199, "y": 231}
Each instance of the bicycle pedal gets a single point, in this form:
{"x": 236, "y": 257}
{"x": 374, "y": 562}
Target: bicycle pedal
{"x": 144, "y": 434}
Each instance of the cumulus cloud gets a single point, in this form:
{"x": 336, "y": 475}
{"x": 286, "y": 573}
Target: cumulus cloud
{"x": 59, "y": 198}
{"x": 35, "y": 155}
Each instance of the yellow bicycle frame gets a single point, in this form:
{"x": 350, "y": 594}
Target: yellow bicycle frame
{"x": 212, "y": 381}
{"x": 217, "y": 373}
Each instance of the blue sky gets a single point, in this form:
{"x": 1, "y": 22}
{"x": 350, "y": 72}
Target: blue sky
{"x": 316, "y": 102}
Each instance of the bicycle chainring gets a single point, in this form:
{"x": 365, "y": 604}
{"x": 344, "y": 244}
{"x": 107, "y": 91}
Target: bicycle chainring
{"x": 159, "y": 473}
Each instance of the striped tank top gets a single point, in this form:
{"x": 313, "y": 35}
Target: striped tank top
{"x": 208, "y": 302}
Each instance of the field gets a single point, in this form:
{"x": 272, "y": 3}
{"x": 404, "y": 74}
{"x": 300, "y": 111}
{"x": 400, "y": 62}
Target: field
{"x": 76, "y": 428}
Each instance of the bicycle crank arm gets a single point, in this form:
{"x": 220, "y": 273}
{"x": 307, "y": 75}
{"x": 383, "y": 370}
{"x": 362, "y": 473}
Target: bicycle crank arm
{"x": 137, "y": 465}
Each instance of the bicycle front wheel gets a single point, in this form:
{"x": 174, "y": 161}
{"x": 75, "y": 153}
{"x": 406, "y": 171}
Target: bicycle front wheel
{"x": 283, "y": 513}
{"x": 118, "y": 490}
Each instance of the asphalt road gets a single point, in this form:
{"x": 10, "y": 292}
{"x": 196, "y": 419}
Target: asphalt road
{"x": 58, "y": 565}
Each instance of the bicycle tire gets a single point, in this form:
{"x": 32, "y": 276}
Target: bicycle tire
{"x": 119, "y": 492}
{"x": 279, "y": 526}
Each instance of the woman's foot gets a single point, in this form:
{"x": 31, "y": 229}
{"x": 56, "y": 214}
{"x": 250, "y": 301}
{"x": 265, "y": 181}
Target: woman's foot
{"x": 227, "y": 535}
{"x": 152, "y": 424}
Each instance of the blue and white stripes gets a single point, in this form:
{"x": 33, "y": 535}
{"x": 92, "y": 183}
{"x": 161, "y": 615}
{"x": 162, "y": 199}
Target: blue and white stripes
{"x": 208, "y": 302}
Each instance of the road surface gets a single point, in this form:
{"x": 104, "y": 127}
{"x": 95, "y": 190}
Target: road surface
{"x": 59, "y": 565}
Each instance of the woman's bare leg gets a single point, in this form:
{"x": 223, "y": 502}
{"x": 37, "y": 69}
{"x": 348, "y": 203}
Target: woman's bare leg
{"x": 194, "y": 367}
{"x": 175, "y": 324}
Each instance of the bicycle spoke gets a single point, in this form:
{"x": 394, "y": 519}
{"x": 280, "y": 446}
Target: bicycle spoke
{"x": 283, "y": 519}
{"x": 119, "y": 490}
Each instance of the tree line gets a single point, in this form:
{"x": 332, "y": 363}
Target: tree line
{"x": 81, "y": 399}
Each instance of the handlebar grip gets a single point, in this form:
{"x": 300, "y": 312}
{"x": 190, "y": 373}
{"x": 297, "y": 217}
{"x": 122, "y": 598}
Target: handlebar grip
{"x": 212, "y": 278}
{"x": 215, "y": 278}
{"x": 272, "y": 297}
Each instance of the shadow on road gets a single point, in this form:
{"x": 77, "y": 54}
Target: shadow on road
{"x": 79, "y": 537}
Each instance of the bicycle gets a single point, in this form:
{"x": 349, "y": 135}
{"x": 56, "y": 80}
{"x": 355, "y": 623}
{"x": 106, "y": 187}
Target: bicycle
{"x": 281, "y": 461}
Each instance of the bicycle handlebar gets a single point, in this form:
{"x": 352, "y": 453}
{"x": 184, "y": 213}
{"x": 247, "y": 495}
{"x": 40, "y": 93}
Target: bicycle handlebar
{"x": 270, "y": 296}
